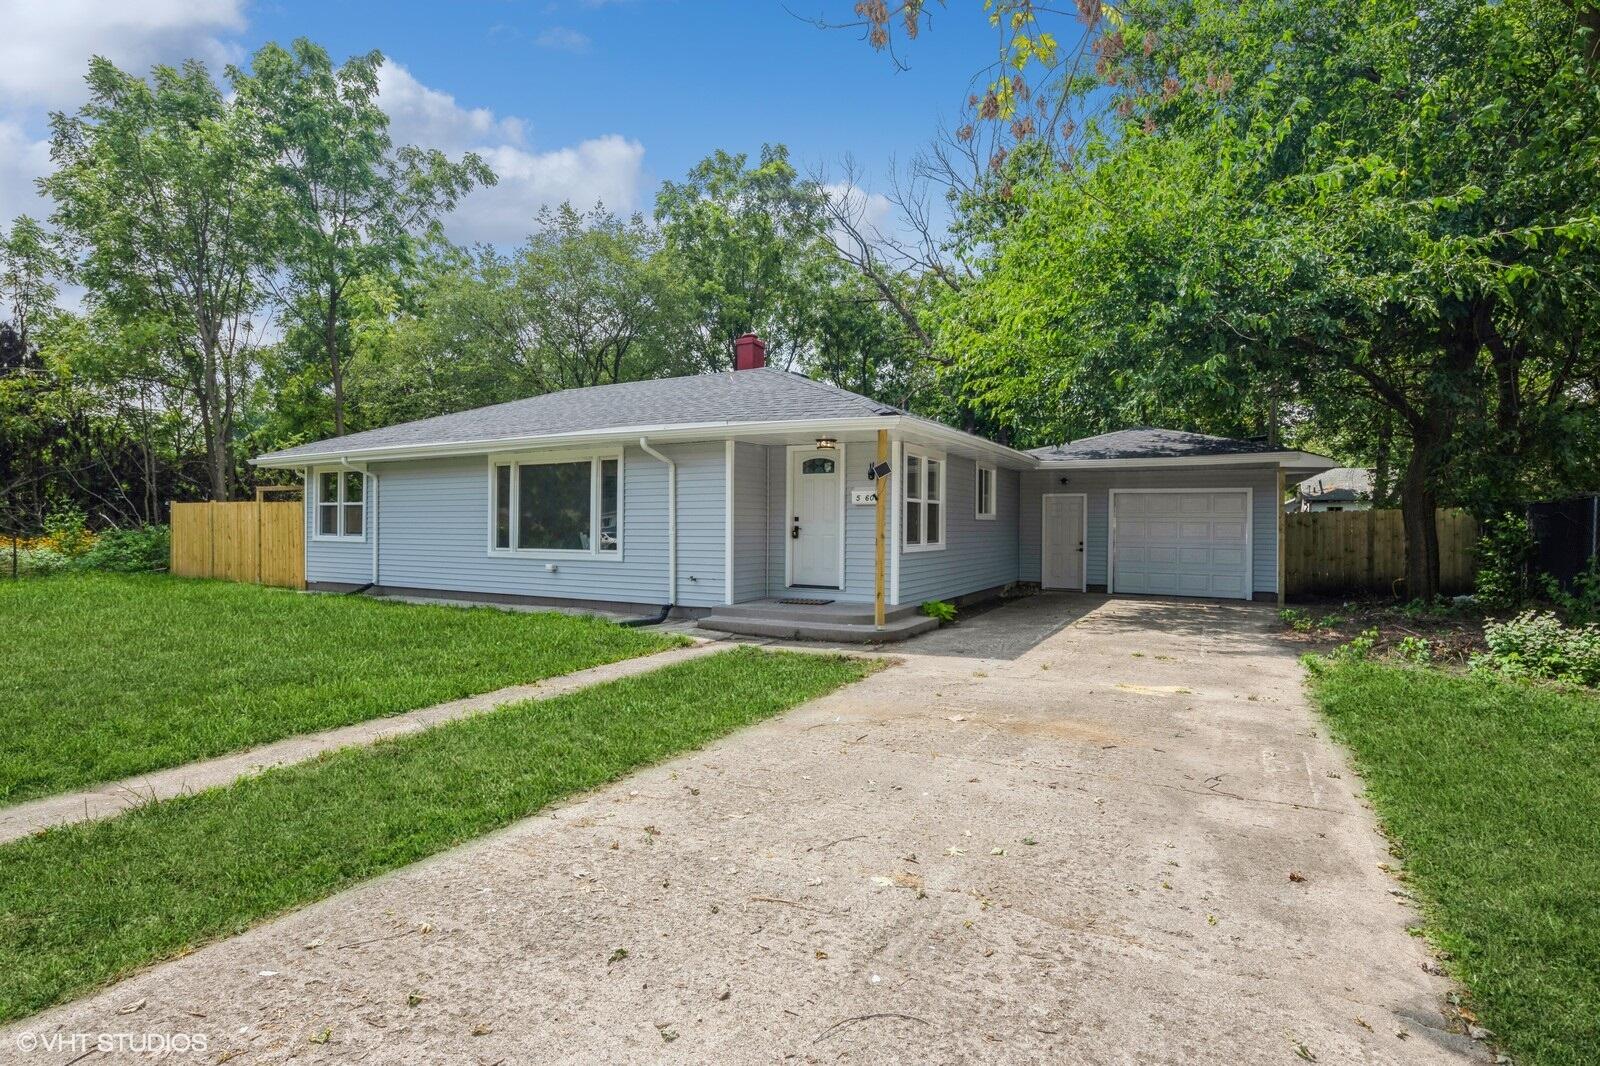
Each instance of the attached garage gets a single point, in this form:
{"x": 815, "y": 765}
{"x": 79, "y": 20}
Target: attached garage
{"x": 1180, "y": 542}
{"x": 1157, "y": 512}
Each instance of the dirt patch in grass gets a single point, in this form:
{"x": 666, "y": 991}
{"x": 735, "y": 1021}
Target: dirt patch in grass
{"x": 1453, "y": 631}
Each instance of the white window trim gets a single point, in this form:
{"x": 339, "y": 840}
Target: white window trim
{"x": 317, "y": 502}
{"x": 977, "y": 492}
{"x": 923, "y": 455}
{"x": 547, "y": 458}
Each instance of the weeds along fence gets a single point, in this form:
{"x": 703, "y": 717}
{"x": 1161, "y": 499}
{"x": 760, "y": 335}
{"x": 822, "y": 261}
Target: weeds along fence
{"x": 258, "y": 541}
{"x": 1332, "y": 552}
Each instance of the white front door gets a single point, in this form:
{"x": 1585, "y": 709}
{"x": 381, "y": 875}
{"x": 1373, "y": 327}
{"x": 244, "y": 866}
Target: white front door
{"x": 815, "y": 527}
{"x": 1061, "y": 564}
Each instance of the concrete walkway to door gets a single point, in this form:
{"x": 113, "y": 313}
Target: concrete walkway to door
{"x": 1060, "y": 832}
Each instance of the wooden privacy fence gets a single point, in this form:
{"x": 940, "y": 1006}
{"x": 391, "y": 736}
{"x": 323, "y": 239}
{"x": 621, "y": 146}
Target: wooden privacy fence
{"x": 1350, "y": 551}
{"x": 256, "y": 541}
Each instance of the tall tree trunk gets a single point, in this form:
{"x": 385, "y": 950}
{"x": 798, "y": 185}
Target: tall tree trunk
{"x": 211, "y": 423}
{"x": 1382, "y": 461}
{"x": 1418, "y": 502}
{"x": 330, "y": 338}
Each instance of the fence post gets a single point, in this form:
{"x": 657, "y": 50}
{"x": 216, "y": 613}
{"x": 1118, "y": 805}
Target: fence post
{"x": 258, "y": 536}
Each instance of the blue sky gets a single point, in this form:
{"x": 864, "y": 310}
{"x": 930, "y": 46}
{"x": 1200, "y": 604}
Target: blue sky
{"x": 566, "y": 98}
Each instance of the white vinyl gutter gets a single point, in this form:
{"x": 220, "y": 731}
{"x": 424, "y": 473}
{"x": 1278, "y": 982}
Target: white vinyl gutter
{"x": 672, "y": 519}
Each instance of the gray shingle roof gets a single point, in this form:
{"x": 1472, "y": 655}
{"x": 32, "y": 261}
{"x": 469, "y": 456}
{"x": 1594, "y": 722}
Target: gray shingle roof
{"x": 1146, "y": 442}
{"x": 764, "y": 395}
{"x": 1339, "y": 484}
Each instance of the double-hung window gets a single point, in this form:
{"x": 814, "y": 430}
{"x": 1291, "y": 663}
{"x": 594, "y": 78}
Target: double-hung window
{"x": 924, "y": 501}
{"x": 341, "y": 506}
{"x": 556, "y": 504}
{"x": 986, "y": 492}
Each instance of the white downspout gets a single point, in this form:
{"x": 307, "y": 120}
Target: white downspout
{"x": 672, "y": 519}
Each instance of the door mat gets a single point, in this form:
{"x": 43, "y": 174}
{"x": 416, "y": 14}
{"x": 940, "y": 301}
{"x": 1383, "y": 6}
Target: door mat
{"x": 806, "y": 603}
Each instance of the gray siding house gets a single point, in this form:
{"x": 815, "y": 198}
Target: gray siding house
{"x": 701, "y": 494}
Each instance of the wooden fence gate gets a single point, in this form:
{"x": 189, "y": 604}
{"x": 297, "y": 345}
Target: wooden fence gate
{"x": 256, "y": 541}
{"x": 1329, "y": 552}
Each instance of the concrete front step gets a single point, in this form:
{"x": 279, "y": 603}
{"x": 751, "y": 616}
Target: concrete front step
{"x": 839, "y": 613}
{"x": 790, "y": 628}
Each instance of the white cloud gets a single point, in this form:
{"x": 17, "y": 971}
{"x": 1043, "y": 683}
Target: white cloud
{"x": 430, "y": 118}
{"x": 45, "y": 49}
{"x": 872, "y": 211}
{"x": 607, "y": 169}
{"x": 22, "y": 159}
{"x": 561, "y": 39}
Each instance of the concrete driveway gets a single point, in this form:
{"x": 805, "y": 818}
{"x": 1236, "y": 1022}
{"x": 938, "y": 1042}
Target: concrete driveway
{"x": 1061, "y": 831}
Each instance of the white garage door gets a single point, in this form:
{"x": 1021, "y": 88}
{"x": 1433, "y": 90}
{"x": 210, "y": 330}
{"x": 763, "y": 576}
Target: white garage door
{"x": 1181, "y": 543}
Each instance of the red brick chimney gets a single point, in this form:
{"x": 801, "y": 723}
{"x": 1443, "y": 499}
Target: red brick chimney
{"x": 749, "y": 352}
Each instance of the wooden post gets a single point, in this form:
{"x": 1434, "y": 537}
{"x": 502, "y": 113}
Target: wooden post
{"x": 260, "y": 496}
{"x": 1282, "y": 568}
{"x": 882, "y": 510}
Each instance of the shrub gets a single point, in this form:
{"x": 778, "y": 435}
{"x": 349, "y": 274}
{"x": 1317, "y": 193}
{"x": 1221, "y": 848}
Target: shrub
{"x": 1505, "y": 550}
{"x": 128, "y": 550}
{"x": 1537, "y": 645}
{"x": 1414, "y": 650}
{"x": 1582, "y": 604}
{"x": 939, "y": 609}
{"x": 67, "y": 533}
{"x": 1358, "y": 649}
{"x": 1296, "y": 619}
{"x": 36, "y": 562}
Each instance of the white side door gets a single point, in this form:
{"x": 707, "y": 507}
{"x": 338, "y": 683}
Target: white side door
{"x": 1061, "y": 564}
{"x": 816, "y": 533}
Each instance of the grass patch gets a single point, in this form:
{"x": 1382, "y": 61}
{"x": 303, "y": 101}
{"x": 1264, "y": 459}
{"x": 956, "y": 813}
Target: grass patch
{"x": 105, "y": 676}
{"x": 85, "y": 904}
{"x": 1491, "y": 790}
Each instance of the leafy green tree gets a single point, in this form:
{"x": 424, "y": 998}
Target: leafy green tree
{"x": 31, "y": 261}
{"x": 352, "y": 204}
{"x": 585, "y": 300}
{"x": 747, "y": 240}
{"x": 162, "y": 188}
{"x": 1319, "y": 213}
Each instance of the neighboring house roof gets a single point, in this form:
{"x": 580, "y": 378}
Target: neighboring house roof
{"x": 1147, "y": 442}
{"x": 1339, "y": 485}
{"x": 744, "y": 396}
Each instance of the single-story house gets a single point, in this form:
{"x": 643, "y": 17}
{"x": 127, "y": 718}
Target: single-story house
{"x": 756, "y": 485}
{"x": 1344, "y": 488}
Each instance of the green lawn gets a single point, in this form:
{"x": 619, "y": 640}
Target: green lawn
{"x": 104, "y": 676}
{"x": 1491, "y": 790}
{"x": 81, "y": 905}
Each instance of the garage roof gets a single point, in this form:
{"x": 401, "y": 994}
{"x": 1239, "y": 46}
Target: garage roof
{"x": 1152, "y": 446}
{"x": 1148, "y": 442}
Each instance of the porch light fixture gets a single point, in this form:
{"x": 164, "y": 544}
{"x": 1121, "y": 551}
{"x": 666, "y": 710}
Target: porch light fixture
{"x": 827, "y": 443}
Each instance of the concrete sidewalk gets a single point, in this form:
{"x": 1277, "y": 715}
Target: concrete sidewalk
{"x": 1072, "y": 842}
{"x": 105, "y": 801}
